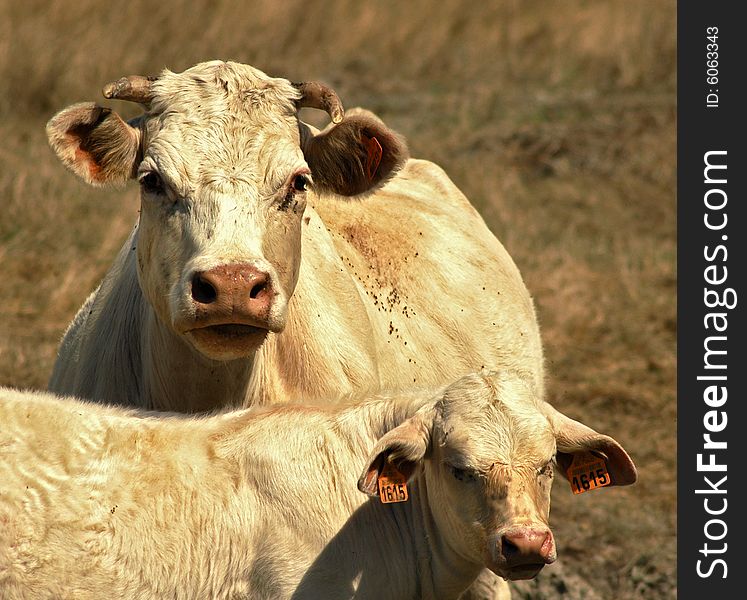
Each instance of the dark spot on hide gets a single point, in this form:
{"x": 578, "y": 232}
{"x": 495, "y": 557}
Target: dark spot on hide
{"x": 289, "y": 202}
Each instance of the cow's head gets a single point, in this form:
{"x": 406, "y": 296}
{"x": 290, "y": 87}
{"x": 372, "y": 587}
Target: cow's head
{"x": 225, "y": 169}
{"x": 487, "y": 450}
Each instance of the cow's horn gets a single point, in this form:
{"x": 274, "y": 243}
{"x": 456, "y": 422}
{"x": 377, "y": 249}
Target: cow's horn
{"x": 134, "y": 88}
{"x": 318, "y": 95}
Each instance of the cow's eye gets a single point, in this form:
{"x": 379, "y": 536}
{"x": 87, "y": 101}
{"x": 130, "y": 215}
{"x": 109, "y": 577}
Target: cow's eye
{"x": 300, "y": 182}
{"x": 152, "y": 183}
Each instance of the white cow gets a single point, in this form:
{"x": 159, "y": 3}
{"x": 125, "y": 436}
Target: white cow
{"x": 212, "y": 302}
{"x": 104, "y": 502}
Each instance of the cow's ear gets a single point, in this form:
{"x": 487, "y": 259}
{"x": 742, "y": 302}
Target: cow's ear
{"x": 572, "y": 437}
{"x": 355, "y": 156}
{"x": 95, "y": 143}
{"x": 405, "y": 447}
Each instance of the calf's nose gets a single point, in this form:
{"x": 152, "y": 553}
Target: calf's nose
{"x": 527, "y": 546}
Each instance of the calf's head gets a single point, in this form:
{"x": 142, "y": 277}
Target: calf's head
{"x": 486, "y": 452}
{"x": 225, "y": 169}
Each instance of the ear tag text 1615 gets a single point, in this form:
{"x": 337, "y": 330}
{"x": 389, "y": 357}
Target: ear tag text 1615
{"x": 392, "y": 485}
{"x": 587, "y": 472}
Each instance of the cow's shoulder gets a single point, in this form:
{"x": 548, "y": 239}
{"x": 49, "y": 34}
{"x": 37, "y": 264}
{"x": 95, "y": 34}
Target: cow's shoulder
{"x": 426, "y": 172}
{"x": 418, "y": 179}
{"x": 424, "y": 181}
{"x": 420, "y": 196}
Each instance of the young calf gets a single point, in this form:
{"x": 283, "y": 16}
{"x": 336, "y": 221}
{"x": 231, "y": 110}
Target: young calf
{"x": 100, "y": 502}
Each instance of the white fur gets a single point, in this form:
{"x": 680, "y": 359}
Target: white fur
{"x": 104, "y": 502}
{"x": 404, "y": 287}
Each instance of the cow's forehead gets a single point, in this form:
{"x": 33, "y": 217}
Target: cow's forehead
{"x": 223, "y": 90}
{"x": 217, "y": 120}
{"x": 495, "y": 418}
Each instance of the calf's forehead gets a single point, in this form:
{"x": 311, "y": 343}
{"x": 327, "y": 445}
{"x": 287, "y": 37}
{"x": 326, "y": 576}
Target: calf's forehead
{"x": 495, "y": 420}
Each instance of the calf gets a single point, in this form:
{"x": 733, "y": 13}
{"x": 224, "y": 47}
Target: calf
{"x": 100, "y": 502}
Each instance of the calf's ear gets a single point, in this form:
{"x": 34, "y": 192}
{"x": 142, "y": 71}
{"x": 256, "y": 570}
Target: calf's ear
{"x": 405, "y": 447}
{"x": 95, "y": 143}
{"x": 355, "y": 156}
{"x": 572, "y": 437}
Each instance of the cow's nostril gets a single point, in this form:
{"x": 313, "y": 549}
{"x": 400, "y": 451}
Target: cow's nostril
{"x": 508, "y": 548}
{"x": 258, "y": 289}
{"x": 202, "y": 291}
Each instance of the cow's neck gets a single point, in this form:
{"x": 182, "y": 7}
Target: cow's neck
{"x": 178, "y": 378}
{"x": 326, "y": 349}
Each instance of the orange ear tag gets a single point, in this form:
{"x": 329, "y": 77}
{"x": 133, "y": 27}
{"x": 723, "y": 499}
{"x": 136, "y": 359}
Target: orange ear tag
{"x": 392, "y": 485}
{"x": 374, "y": 153}
{"x": 587, "y": 472}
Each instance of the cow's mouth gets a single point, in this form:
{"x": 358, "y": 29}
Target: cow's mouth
{"x": 230, "y": 331}
{"x": 528, "y": 571}
{"x": 228, "y": 341}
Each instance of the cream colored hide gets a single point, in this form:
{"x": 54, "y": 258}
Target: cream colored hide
{"x": 253, "y": 275}
{"x": 102, "y": 502}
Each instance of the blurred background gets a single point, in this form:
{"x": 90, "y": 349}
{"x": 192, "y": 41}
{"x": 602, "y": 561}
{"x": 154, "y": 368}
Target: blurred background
{"x": 556, "y": 119}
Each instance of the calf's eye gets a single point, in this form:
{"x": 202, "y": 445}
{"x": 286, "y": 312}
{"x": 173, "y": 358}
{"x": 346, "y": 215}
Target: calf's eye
{"x": 462, "y": 474}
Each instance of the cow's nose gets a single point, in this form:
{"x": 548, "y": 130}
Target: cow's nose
{"x": 238, "y": 289}
{"x": 527, "y": 546}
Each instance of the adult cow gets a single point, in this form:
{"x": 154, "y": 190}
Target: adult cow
{"x": 102, "y": 502}
{"x": 212, "y": 303}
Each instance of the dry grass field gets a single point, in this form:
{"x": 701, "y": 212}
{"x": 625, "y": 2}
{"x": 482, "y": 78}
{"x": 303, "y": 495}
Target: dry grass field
{"x": 556, "y": 119}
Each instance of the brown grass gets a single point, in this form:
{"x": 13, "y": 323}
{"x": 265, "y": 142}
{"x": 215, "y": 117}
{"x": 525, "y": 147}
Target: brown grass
{"x": 557, "y": 120}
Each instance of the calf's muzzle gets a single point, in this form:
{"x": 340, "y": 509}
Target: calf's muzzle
{"x": 521, "y": 552}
